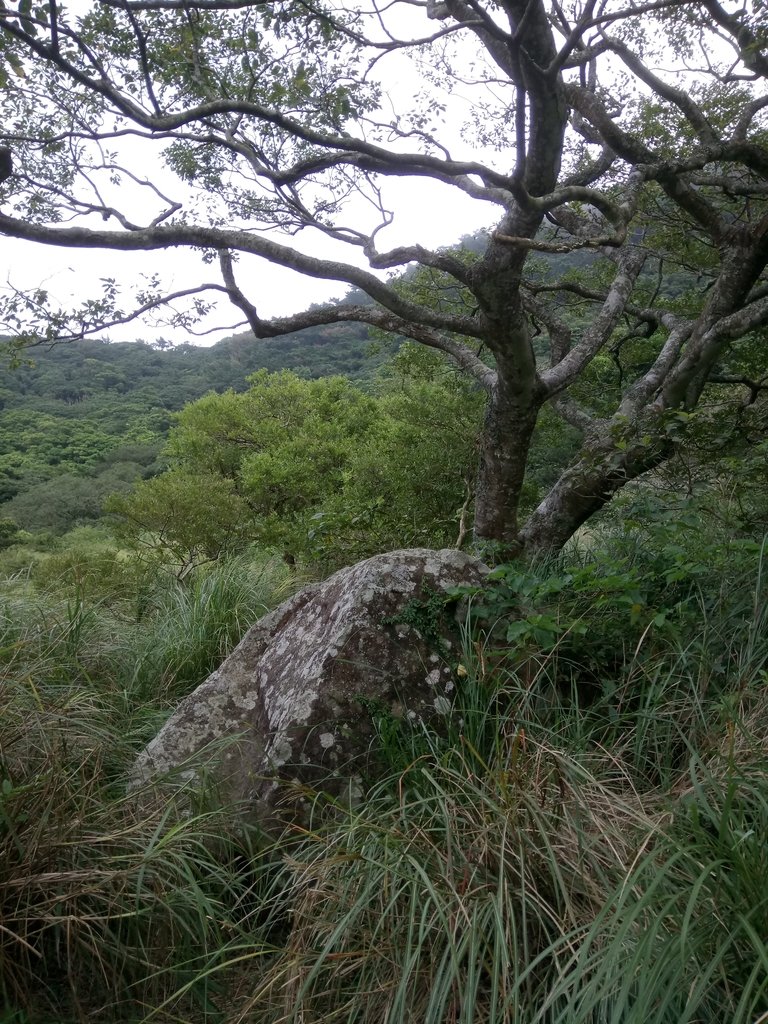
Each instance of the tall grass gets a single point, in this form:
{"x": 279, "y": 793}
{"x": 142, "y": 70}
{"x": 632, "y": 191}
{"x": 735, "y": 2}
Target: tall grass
{"x": 541, "y": 888}
{"x": 458, "y": 901}
{"x": 117, "y": 907}
{"x": 108, "y": 913}
{"x": 559, "y": 857}
{"x": 585, "y": 843}
{"x": 684, "y": 938}
{"x": 186, "y": 628}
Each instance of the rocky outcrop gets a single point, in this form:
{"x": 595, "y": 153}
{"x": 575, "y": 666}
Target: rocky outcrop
{"x": 293, "y": 702}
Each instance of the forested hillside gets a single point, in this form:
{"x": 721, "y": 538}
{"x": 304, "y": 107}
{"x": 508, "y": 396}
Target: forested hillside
{"x": 81, "y": 420}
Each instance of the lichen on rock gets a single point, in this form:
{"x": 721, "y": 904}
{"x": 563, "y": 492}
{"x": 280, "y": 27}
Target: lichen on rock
{"x": 291, "y": 704}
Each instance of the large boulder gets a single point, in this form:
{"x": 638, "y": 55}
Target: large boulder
{"x": 294, "y": 702}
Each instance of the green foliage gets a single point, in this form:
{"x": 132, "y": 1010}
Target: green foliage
{"x": 553, "y": 446}
{"x": 406, "y": 484}
{"x": 86, "y": 419}
{"x": 701, "y": 542}
{"x": 588, "y": 616}
{"x": 426, "y": 613}
{"x": 282, "y": 447}
{"x": 190, "y": 518}
{"x": 595, "y": 621}
{"x": 67, "y": 500}
{"x": 316, "y": 469}
{"x": 9, "y": 533}
{"x": 720, "y": 472}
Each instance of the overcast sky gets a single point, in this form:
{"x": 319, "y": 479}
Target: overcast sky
{"x": 426, "y": 212}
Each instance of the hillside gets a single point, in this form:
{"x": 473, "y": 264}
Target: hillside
{"x": 84, "y": 419}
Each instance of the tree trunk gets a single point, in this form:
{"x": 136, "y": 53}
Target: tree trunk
{"x": 504, "y": 446}
{"x": 587, "y": 485}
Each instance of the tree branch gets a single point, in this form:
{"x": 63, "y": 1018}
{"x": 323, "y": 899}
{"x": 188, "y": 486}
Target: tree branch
{"x": 749, "y": 46}
{"x": 559, "y": 377}
{"x": 457, "y": 351}
{"x": 677, "y": 97}
{"x": 167, "y": 236}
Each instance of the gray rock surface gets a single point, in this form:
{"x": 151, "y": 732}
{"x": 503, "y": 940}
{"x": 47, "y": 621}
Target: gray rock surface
{"x": 292, "y": 703}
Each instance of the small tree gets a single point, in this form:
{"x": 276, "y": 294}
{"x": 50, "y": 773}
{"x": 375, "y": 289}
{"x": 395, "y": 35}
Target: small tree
{"x": 189, "y": 518}
{"x": 9, "y": 533}
{"x": 271, "y": 116}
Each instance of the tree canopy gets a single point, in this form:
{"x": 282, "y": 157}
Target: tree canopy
{"x": 316, "y": 469}
{"x": 634, "y": 132}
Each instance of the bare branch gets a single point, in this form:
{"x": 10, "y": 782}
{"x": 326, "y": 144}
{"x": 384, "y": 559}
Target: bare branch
{"x": 645, "y": 389}
{"x": 678, "y": 97}
{"x": 571, "y": 413}
{"x": 540, "y": 245}
{"x": 166, "y": 236}
{"x": 749, "y": 46}
{"x": 748, "y": 114}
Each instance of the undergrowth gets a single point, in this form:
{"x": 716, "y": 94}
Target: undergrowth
{"x": 586, "y": 842}
{"x": 580, "y": 847}
{"x": 118, "y": 905}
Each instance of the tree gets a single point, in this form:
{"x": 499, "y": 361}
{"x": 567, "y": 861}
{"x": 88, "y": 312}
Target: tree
{"x": 273, "y": 117}
{"x": 313, "y": 468}
{"x": 9, "y": 533}
{"x": 283, "y": 445}
{"x": 189, "y": 518}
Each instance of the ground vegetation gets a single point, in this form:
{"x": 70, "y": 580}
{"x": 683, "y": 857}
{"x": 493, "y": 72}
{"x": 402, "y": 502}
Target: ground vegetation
{"x": 586, "y": 841}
